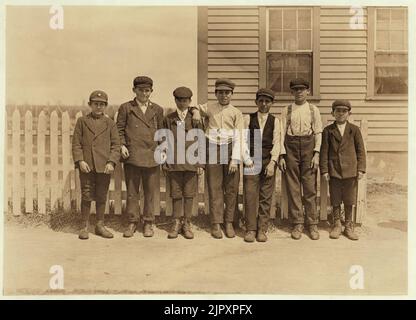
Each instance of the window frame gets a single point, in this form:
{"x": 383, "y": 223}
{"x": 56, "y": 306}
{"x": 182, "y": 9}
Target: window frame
{"x": 263, "y": 37}
{"x": 371, "y": 51}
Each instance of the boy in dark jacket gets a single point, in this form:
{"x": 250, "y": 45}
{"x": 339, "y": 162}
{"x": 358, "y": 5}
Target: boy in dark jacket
{"x": 183, "y": 175}
{"x": 95, "y": 150}
{"x": 342, "y": 163}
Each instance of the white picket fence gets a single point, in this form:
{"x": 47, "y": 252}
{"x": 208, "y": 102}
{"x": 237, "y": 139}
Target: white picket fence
{"x": 41, "y": 176}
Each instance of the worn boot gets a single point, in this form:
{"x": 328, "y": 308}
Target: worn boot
{"x": 313, "y": 232}
{"x": 261, "y": 235}
{"x": 336, "y": 229}
{"x": 229, "y": 230}
{"x": 176, "y": 228}
{"x": 250, "y": 236}
{"x": 186, "y": 230}
{"x": 131, "y": 228}
{"x": 100, "y": 230}
{"x": 83, "y": 234}
{"x": 216, "y": 231}
{"x": 148, "y": 230}
{"x": 349, "y": 231}
{"x": 297, "y": 231}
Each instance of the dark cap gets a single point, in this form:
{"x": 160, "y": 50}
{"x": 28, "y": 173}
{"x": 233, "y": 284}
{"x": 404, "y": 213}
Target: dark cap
{"x": 99, "y": 95}
{"x": 265, "y": 92}
{"x": 299, "y": 82}
{"x": 142, "y": 82}
{"x": 182, "y": 92}
{"x": 341, "y": 103}
{"x": 224, "y": 84}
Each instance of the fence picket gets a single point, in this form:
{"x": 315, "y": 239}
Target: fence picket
{"x": 16, "y": 163}
{"x": 28, "y": 162}
{"x": 41, "y": 163}
{"x": 66, "y": 161}
{"x": 54, "y": 186}
{"x": 76, "y": 178}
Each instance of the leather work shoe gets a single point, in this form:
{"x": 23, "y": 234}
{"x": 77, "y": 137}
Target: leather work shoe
{"x": 148, "y": 230}
{"x": 131, "y": 228}
{"x": 229, "y": 230}
{"x": 297, "y": 231}
{"x": 173, "y": 234}
{"x": 336, "y": 229}
{"x": 100, "y": 230}
{"x": 261, "y": 236}
{"x": 83, "y": 234}
{"x": 216, "y": 231}
{"x": 250, "y": 236}
{"x": 186, "y": 230}
{"x": 313, "y": 232}
{"x": 349, "y": 231}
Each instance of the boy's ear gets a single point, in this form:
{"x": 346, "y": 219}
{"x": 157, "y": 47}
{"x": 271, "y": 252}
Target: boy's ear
{"x": 89, "y": 103}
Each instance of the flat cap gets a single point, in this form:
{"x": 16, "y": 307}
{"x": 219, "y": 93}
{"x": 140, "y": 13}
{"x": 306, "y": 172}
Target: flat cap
{"x": 142, "y": 82}
{"x": 99, "y": 95}
{"x": 265, "y": 92}
{"x": 224, "y": 84}
{"x": 182, "y": 92}
{"x": 299, "y": 82}
{"x": 341, "y": 103}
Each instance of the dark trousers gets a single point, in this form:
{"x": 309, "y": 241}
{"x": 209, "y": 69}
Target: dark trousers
{"x": 343, "y": 191}
{"x": 258, "y": 193}
{"x": 222, "y": 188}
{"x": 299, "y": 154}
{"x": 150, "y": 178}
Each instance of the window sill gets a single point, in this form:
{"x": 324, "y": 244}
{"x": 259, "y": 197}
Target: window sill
{"x": 387, "y": 97}
{"x": 291, "y": 98}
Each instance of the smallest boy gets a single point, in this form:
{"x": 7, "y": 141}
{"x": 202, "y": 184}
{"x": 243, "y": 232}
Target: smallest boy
{"x": 95, "y": 150}
{"x": 342, "y": 163}
{"x": 182, "y": 174}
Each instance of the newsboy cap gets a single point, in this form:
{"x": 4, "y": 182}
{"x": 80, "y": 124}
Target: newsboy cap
{"x": 299, "y": 82}
{"x": 142, "y": 82}
{"x": 224, "y": 84}
{"x": 265, "y": 92}
{"x": 182, "y": 92}
{"x": 341, "y": 103}
{"x": 99, "y": 95}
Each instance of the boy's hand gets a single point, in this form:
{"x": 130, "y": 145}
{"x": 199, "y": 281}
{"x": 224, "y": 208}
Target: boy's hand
{"x": 124, "y": 152}
{"x": 84, "y": 167}
{"x": 326, "y": 176}
{"x": 199, "y": 171}
{"x": 315, "y": 162}
{"x": 232, "y": 168}
{"x": 282, "y": 164}
{"x": 109, "y": 168}
{"x": 270, "y": 169}
{"x": 360, "y": 175}
{"x": 196, "y": 117}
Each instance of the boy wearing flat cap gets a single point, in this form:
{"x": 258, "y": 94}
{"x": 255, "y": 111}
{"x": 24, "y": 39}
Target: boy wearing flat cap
{"x": 96, "y": 151}
{"x": 183, "y": 176}
{"x": 342, "y": 162}
{"x": 259, "y": 188}
{"x": 224, "y": 153}
{"x": 299, "y": 158}
{"x": 137, "y": 122}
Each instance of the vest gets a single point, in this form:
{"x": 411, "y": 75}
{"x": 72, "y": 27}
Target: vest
{"x": 267, "y": 138}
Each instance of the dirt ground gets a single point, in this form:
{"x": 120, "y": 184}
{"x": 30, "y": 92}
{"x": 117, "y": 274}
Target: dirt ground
{"x": 207, "y": 266}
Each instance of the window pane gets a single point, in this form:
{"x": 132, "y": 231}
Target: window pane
{"x": 304, "y": 40}
{"x": 274, "y": 82}
{"x": 289, "y": 41}
{"x": 289, "y": 19}
{"x": 397, "y": 40}
{"x": 398, "y": 19}
{"x": 274, "y": 63}
{"x": 304, "y": 64}
{"x": 275, "y": 19}
{"x": 383, "y": 18}
{"x": 286, "y": 81}
{"x": 304, "y": 19}
{"x": 391, "y": 74}
{"x": 275, "y": 40}
{"x": 382, "y": 41}
{"x": 290, "y": 63}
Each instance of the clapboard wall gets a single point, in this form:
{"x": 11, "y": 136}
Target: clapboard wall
{"x": 230, "y": 46}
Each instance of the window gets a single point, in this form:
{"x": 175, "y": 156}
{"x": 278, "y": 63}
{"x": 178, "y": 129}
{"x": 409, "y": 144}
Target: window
{"x": 289, "y": 40}
{"x": 388, "y": 57}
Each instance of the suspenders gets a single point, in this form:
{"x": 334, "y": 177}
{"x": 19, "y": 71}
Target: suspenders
{"x": 289, "y": 117}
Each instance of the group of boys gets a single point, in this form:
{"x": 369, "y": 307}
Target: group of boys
{"x": 296, "y": 144}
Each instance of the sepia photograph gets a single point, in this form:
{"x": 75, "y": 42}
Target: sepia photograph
{"x": 206, "y": 149}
